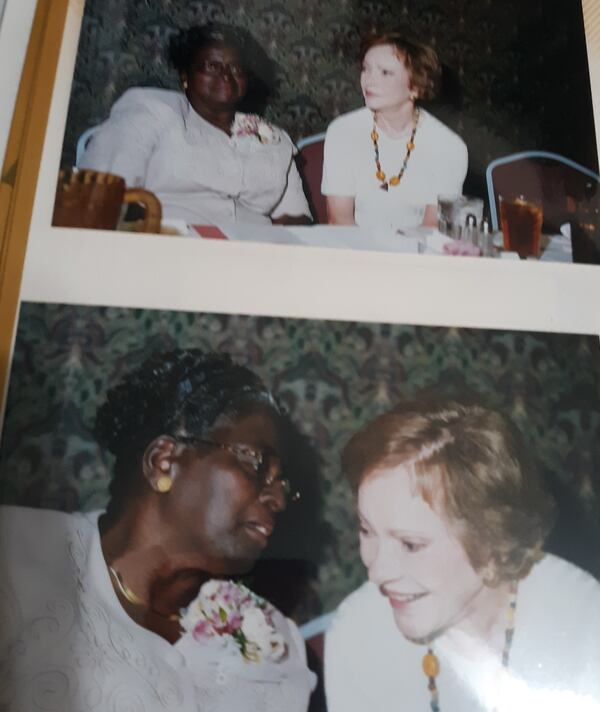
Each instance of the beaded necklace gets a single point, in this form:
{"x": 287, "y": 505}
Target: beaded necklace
{"x": 379, "y": 174}
{"x": 431, "y": 664}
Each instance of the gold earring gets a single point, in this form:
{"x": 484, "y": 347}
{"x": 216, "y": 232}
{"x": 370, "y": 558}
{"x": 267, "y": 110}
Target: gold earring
{"x": 184, "y": 84}
{"x": 164, "y": 484}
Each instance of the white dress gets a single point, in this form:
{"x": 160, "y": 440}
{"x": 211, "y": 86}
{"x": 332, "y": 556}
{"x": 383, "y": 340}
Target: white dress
{"x": 554, "y": 658}
{"x": 67, "y": 645}
{"x": 155, "y": 140}
{"x": 437, "y": 166}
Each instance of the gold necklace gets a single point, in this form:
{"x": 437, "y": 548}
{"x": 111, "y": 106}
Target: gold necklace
{"x": 431, "y": 664}
{"x": 134, "y": 599}
{"x": 379, "y": 174}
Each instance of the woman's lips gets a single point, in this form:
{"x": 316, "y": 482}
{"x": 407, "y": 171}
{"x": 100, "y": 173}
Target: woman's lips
{"x": 259, "y": 531}
{"x": 400, "y": 601}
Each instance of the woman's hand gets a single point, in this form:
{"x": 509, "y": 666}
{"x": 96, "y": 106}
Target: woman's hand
{"x": 430, "y": 218}
{"x": 340, "y": 210}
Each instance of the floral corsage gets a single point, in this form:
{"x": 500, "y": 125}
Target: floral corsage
{"x": 251, "y": 127}
{"x": 233, "y": 612}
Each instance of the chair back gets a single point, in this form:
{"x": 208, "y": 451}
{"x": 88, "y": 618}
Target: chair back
{"x": 82, "y": 143}
{"x": 551, "y": 178}
{"x": 314, "y": 631}
{"x": 310, "y": 165}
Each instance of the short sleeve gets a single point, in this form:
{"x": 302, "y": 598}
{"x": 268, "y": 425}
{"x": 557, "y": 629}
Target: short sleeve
{"x": 453, "y": 172}
{"x": 338, "y": 176}
{"x": 124, "y": 143}
{"x": 293, "y": 201}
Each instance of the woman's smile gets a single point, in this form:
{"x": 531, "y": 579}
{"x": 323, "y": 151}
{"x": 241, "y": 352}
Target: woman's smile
{"x": 259, "y": 531}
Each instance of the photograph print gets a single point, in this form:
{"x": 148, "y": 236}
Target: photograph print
{"x": 418, "y": 127}
{"x": 209, "y": 512}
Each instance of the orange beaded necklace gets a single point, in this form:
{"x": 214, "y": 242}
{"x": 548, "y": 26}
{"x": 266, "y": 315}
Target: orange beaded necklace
{"x": 379, "y": 174}
{"x": 431, "y": 664}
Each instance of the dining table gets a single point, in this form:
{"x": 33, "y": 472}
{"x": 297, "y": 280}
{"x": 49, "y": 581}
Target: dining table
{"x": 419, "y": 240}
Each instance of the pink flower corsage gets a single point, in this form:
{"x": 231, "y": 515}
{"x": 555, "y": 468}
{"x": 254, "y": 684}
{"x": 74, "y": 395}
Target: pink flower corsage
{"x": 253, "y": 126}
{"x": 234, "y": 612}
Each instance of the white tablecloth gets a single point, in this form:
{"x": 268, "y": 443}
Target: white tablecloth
{"x": 555, "y": 248}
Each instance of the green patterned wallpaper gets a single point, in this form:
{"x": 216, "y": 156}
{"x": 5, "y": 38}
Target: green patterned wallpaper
{"x": 332, "y": 376}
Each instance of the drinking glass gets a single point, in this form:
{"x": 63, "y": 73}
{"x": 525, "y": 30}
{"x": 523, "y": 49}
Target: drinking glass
{"x": 585, "y": 233}
{"x": 521, "y": 220}
{"x": 454, "y": 211}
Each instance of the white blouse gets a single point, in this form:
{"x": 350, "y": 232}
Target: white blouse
{"x": 437, "y": 166}
{"x": 155, "y": 140}
{"x": 554, "y": 659}
{"x": 67, "y": 645}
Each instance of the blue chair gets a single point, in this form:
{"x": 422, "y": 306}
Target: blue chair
{"x": 310, "y": 165}
{"x": 82, "y": 143}
{"x": 549, "y": 177}
{"x": 317, "y": 626}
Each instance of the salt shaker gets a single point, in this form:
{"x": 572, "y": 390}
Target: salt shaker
{"x": 469, "y": 233}
{"x": 486, "y": 240}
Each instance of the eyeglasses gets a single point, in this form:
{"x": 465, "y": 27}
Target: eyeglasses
{"x": 265, "y": 464}
{"x": 213, "y": 68}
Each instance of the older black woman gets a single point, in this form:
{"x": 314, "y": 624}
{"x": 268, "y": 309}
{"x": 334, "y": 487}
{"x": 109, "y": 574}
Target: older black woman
{"x": 133, "y": 608}
{"x": 206, "y": 161}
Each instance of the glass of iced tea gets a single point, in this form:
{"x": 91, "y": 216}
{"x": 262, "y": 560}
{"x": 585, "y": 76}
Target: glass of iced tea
{"x": 521, "y": 220}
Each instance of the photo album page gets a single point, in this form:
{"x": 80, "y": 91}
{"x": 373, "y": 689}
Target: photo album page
{"x": 301, "y": 372}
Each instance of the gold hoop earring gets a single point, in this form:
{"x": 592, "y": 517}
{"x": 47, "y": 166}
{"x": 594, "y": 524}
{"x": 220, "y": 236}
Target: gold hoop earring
{"x": 164, "y": 484}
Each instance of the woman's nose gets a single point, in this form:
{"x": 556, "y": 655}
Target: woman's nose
{"x": 383, "y": 566}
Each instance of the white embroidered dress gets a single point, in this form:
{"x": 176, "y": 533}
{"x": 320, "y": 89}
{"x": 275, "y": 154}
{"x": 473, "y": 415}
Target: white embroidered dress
{"x": 67, "y": 645}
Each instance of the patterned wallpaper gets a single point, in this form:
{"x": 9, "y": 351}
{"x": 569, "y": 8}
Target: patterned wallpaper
{"x": 515, "y": 73}
{"x": 332, "y": 378}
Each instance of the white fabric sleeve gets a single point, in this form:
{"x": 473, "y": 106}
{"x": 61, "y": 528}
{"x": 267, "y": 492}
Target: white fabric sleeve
{"x": 452, "y": 176}
{"x": 293, "y": 201}
{"x": 342, "y": 691}
{"x": 124, "y": 143}
{"x": 338, "y": 176}
{"x": 300, "y": 646}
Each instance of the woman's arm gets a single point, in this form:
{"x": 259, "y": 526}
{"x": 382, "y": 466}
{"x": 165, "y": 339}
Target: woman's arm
{"x": 124, "y": 143}
{"x": 293, "y": 208}
{"x": 340, "y": 210}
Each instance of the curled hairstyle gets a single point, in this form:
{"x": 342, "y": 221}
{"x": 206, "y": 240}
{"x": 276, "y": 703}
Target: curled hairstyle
{"x": 470, "y": 464}
{"x": 181, "y": 392}
{"x": 420, "y": 60}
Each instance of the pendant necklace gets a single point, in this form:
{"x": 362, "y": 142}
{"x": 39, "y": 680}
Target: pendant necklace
{"x": 431, "y": 664}
{"x": 379, "y": 174}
